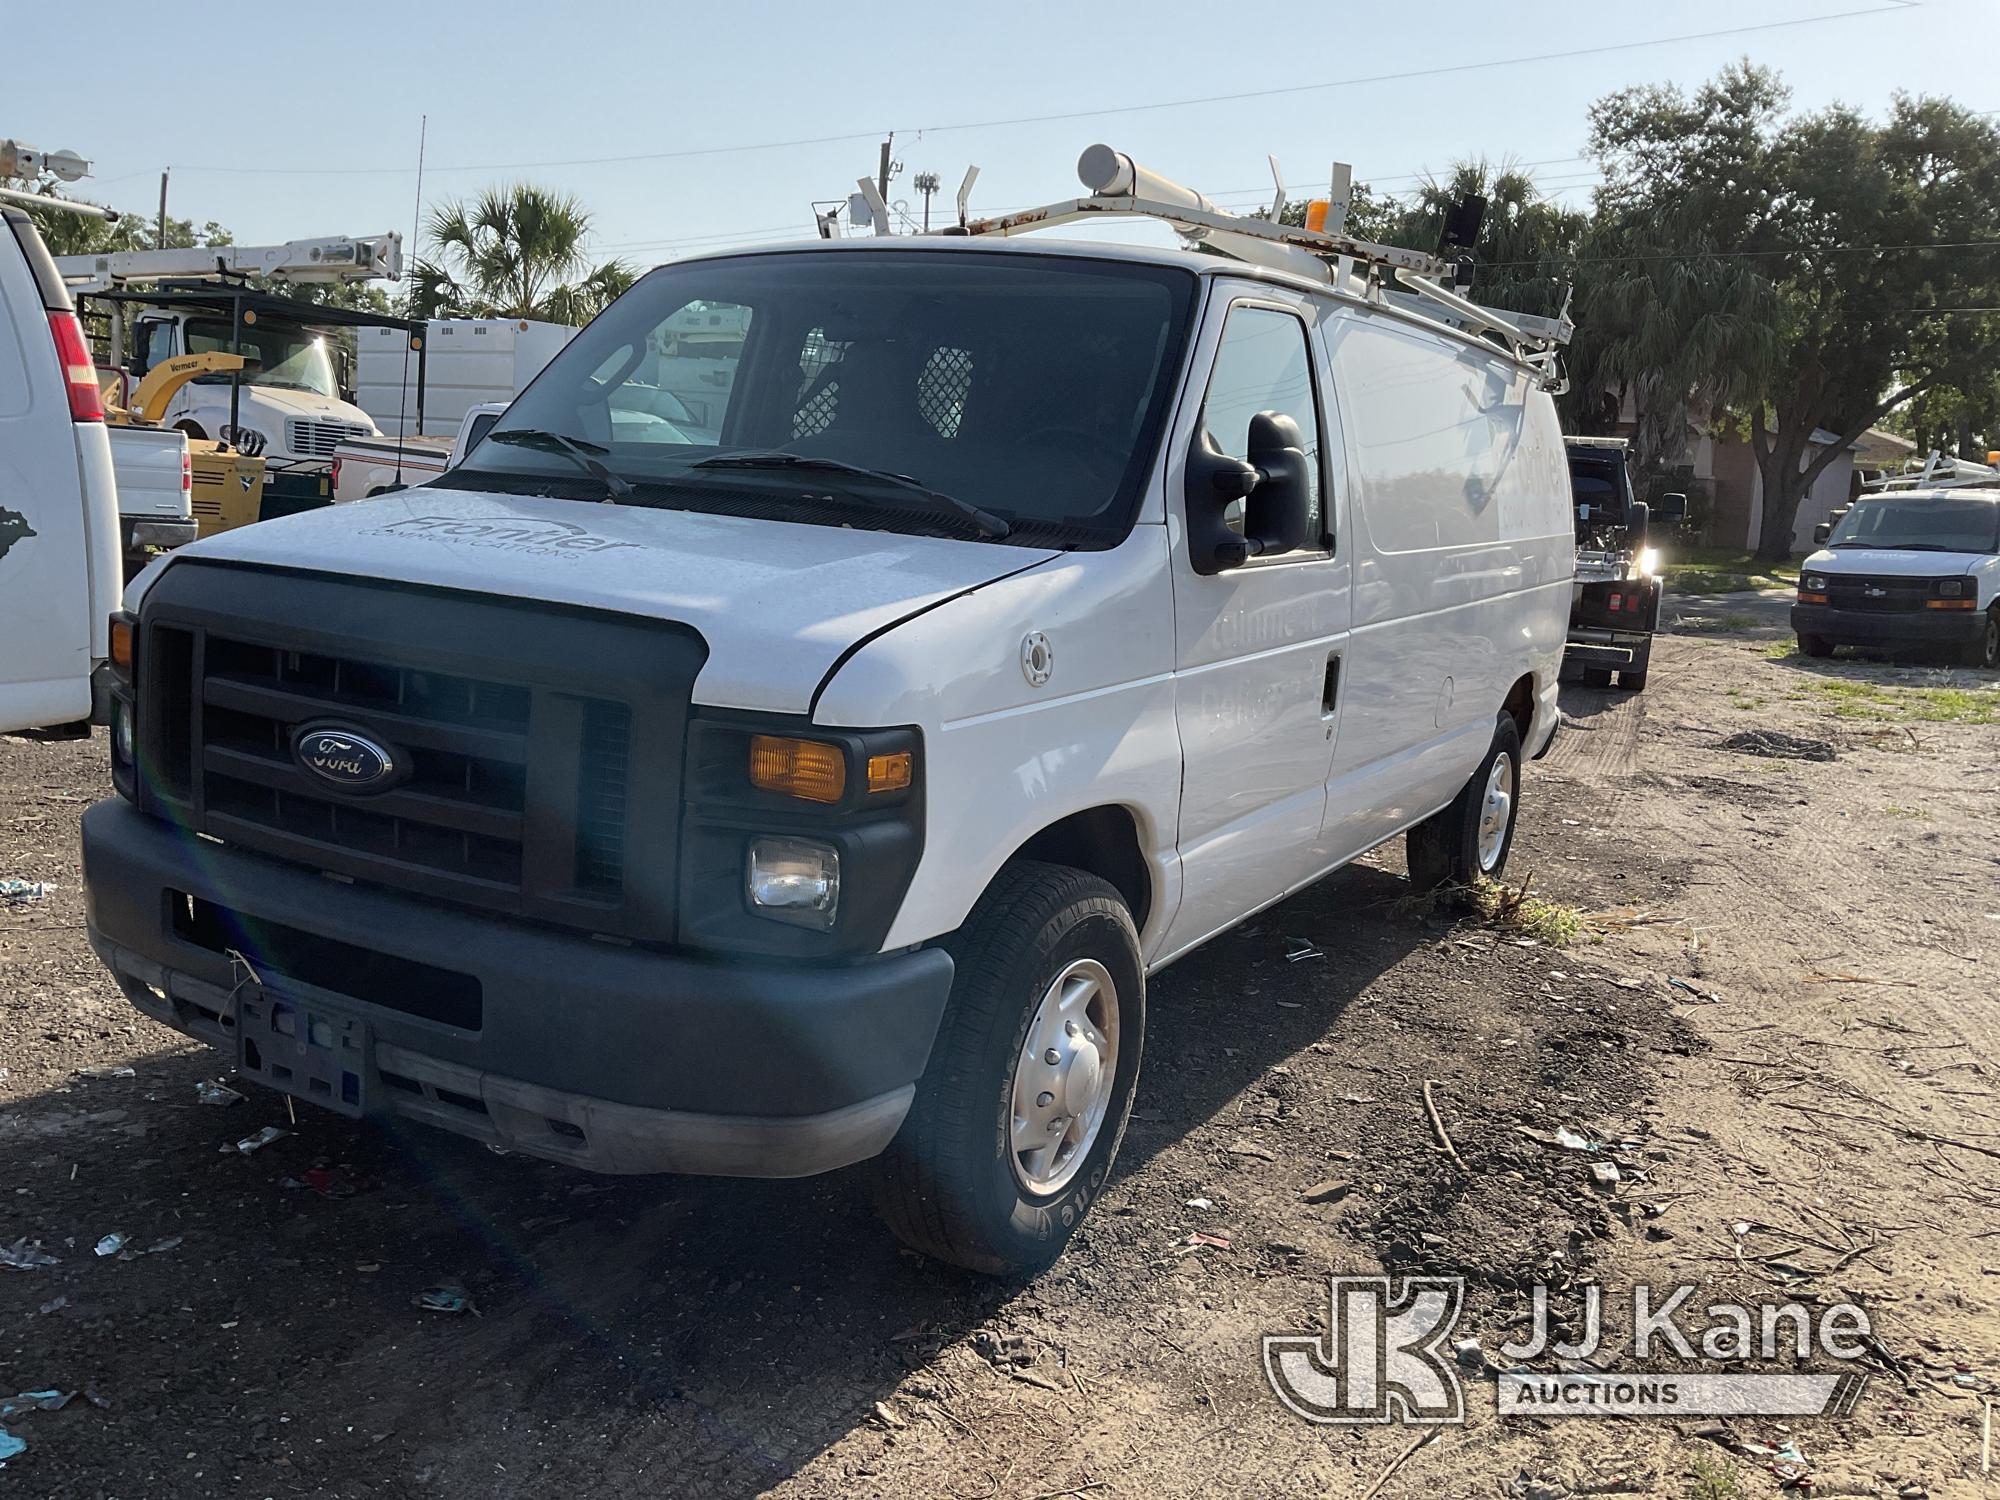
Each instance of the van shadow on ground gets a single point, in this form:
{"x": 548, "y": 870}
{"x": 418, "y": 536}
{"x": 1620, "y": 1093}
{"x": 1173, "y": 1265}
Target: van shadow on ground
{"x": 716, "y": 1335}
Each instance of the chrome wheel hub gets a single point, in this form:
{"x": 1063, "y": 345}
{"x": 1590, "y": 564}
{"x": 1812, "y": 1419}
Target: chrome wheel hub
{"x": 1063, "y": 1077}
{"x": 1494, "y": 811}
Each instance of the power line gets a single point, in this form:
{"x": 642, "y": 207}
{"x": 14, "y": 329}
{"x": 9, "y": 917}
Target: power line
{"x": 1437, "y": 72}
{"x": 1402, "y": 76}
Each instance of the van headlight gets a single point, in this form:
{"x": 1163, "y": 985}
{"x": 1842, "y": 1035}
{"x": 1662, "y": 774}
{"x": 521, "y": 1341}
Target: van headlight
{"x": 1950, "y": 588}
{"x": 794, "y": 880}
{"x": 1812, "y": 583}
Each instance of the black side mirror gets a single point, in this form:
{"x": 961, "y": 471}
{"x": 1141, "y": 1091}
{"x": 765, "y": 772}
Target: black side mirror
{"x": 1274, "y": 483}
{"x": 1671, "y": 510}
{"x": 1821, "y": 532}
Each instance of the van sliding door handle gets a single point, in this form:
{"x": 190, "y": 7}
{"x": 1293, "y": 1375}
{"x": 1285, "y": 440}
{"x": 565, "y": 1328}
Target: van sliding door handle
{"x": 1329, "y": 697}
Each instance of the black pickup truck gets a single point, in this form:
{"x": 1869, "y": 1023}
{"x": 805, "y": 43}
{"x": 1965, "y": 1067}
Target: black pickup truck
{"x": 1615, "y": 605}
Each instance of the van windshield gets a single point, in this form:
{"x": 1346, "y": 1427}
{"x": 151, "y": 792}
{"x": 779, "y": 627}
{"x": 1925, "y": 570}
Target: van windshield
{"x": 1921, "y": 525}
{"x": 816, "y": 385}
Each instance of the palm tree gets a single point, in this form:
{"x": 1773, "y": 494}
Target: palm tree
{"x": 514, "y": 252}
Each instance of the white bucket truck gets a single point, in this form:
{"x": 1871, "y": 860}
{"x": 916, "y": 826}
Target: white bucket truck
{"x": 286, "y": 404}
{"x": 823, "y": 784}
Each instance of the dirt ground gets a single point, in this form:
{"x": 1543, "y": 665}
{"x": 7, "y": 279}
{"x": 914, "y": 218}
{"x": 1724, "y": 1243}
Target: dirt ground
{"x": 1810, "y": 1106}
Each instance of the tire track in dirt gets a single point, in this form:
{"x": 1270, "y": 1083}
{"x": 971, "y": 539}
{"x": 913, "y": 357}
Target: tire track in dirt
{"x": 1841, "y": 913}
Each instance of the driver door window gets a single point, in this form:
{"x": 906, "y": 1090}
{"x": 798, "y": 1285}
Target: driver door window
{"x": 1263, "y": 364}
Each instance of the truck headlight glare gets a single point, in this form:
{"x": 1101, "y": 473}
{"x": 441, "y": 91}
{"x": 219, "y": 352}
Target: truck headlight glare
{"x": 794, "y": 880}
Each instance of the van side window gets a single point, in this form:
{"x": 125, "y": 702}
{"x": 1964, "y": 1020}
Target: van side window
{"x": 1263, "y": 365}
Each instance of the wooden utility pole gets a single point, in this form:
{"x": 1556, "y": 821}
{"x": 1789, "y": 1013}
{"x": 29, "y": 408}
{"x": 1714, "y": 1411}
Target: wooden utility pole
{"x": 161, "y": 237}
{"x": 882, "y": 175}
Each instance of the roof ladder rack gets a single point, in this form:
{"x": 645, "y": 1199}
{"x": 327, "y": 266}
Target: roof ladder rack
{"x": 1119, "y": 187}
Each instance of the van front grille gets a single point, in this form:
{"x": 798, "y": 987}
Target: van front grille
{"x": 511, "y": 731}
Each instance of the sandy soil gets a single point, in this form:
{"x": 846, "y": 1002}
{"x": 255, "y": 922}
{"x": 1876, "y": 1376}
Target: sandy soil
{"x": 1822, "y": 1075}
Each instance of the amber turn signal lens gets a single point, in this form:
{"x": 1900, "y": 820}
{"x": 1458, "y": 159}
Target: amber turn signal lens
{"x": 889, "y": 773}
{"x": 1951, "y": 604}
{"x": 121, "y": 645}
{"x": 810, "y": 770}
{"x": 1805, "y": 598}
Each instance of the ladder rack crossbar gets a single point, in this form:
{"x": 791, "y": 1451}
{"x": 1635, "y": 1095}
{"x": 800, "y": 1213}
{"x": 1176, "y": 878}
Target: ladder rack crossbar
{"x": 1534, "y": 341}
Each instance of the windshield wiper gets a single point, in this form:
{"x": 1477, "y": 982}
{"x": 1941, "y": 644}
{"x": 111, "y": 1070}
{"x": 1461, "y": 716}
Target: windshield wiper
{"x": 579, "y": 452}
{"x": 989, "y": 525}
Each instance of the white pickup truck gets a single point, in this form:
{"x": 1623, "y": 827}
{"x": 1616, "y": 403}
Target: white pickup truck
{"x": 59, "y": 528}
{"x": 155, "y": 478}
{"x": 821, "y": 785}
{"x": 366, "y": 467}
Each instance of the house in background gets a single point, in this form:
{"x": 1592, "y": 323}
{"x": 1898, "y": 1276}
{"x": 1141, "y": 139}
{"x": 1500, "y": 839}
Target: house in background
{"x": 1723, "y": 461}
{"x": 1737, "y": 515}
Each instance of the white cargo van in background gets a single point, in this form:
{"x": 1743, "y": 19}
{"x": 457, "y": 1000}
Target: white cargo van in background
{"x": 817, "y": 778}
{"x": 60, "y": 571}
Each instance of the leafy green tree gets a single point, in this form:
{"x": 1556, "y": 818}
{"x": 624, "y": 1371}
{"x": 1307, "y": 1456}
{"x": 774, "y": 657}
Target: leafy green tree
{"x": 1796, "y": 259}
{"x": 1525, "y": 240}
{"x": 514, "y": 252}
{"x": 86, "y": 234}
{"x": 1962, "y": 418}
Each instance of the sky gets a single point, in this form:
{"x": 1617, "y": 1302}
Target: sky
{"x": 731, "y": 119}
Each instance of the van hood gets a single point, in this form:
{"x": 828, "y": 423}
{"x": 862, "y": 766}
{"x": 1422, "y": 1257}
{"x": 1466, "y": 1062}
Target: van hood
{"x": 779, "y": 604}
{"x": 1889, "y": 562}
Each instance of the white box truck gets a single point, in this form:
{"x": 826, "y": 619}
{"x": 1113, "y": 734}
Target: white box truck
{"x": 821, "y": 784}
{"x": 471, "y": 361}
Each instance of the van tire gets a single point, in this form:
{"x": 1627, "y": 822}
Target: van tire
{"x": 1985, "y": 652}
{"x": 1444, "y": 849}
{"x": 950, "y": 1184}
{"x": 1815, "y": 645}
{"x": 1597, "y": 677}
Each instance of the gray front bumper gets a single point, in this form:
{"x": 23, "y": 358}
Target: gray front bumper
{"x": 598, "y": 1135}
{"x": 605, "y": 1056}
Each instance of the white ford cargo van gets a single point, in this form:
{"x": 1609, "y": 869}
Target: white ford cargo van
{"x": 827, "y": 789}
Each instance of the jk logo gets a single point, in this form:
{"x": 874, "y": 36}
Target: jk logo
{"x": 1380, "y": 1358}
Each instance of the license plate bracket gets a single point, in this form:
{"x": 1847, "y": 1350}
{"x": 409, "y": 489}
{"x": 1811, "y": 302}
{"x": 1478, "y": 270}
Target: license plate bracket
{"x": 303, "y": 1048}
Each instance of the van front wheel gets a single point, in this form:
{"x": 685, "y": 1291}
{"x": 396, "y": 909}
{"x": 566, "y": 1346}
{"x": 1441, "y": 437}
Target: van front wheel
{"x": 1024, "y": 1101}
{"x": 1474, "y": 833}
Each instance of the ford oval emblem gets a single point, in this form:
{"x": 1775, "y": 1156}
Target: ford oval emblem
{"x": 343, "y": 757}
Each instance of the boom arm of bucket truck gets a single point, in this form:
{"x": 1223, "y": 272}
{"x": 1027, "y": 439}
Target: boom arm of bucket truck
{"x": 333, "y": 259}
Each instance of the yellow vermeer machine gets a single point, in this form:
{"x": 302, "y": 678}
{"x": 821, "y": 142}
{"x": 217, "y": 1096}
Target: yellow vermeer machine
{"x": 228, "y": 487}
